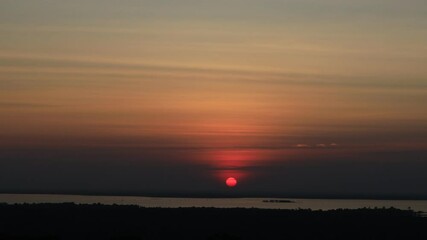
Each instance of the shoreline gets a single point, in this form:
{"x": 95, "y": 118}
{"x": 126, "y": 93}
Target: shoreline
{"x": 219, "y": 196}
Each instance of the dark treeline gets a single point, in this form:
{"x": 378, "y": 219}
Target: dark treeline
{"x": 72, "y": 221}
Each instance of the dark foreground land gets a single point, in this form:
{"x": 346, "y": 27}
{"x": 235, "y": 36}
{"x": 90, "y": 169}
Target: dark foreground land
{"x": 71, "y": 221}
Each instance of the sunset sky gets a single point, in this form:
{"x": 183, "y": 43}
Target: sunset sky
{"x": 309, "y": 97}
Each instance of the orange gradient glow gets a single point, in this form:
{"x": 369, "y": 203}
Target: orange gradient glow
{"x": 234, "y": 162}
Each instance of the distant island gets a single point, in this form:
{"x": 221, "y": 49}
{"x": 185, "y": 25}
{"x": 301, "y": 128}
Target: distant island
{"x": 278, "y": 201}
{"x": 97, "y": 221}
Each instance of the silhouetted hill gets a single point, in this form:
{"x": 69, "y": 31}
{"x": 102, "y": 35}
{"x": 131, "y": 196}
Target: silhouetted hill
{"x": 72, "y": 221}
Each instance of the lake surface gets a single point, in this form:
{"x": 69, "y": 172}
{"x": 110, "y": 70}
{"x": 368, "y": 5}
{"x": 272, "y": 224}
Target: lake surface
{"x": 315, "y": 204}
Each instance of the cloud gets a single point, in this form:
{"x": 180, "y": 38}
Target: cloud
{"x": 24, "y": 105}
{"x": 300, "y": 145}
{"x": 318, "y": 145}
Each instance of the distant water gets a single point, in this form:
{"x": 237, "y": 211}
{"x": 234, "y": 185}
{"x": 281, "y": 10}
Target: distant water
{"x": 315, "y": 204}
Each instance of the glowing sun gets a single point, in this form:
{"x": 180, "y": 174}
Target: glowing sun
{"x": 231, "y": 182}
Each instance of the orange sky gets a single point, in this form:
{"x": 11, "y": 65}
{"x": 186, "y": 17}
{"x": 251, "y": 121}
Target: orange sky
{"x": 281, "y": 78}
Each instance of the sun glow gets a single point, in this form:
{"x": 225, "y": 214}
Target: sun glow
{"x": 231, "y": 182}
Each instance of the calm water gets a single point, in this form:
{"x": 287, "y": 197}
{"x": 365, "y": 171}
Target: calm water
{"x": 315, "y": 204}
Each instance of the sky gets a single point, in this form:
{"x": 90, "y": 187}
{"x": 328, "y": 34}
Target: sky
{"x": 290, "y": 97}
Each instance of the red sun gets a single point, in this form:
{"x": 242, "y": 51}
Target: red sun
{"x": 231, "y": 182}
